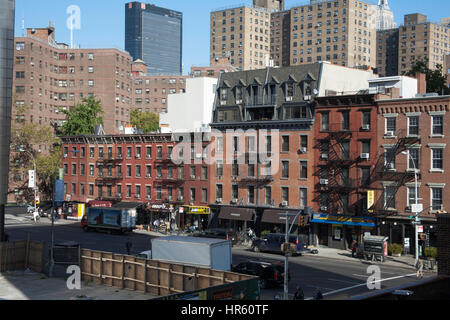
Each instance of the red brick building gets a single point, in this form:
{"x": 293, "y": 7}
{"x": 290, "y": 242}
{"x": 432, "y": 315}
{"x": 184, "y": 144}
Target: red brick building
{"x": 135, "y": 168}
{"x": 345, "y": 142}
{"x": 413, "y": 134}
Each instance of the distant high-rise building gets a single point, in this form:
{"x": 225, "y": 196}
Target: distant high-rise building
{"x": 271, "y": 5}
{"x": 154, "y": 35}
{"x": 385, "y": 16}
{"x": 417, "y": 39}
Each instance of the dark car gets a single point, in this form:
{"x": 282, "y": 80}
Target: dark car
{"x": 217, "y": 234}
{"x": 270, "y": 274}
{"x": 273, "y": 242}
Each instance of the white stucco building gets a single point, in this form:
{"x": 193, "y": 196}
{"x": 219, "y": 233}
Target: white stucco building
{"x": 407, "y": 87}
{"x": 190, "y": 111}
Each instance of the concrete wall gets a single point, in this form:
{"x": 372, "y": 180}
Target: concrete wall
{"x": 343, "y": 79}
{"x": 408, "y": 87}
{"x": 189, "y": 111}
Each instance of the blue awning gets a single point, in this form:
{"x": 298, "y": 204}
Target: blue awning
{"x": 344, "y": 220}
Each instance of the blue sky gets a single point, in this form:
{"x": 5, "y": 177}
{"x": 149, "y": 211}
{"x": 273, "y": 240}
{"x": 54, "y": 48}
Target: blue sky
{"x": 102, "y": 21}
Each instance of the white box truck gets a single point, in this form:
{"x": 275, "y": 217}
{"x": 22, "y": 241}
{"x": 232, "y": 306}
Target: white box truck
{"x": 202, "y": 252}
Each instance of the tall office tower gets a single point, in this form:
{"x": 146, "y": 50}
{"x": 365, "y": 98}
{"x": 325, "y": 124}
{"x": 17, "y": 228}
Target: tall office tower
{"x": 7, "y": 11}
{"x": 342, "y": 32}
{"x": 154, "y": 35}
{"x": 243, "y": 35}
{"x": 385, "y": 16}
{"x": 419, "y": 40}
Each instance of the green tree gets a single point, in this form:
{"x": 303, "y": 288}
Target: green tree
{"x": 147, "y": 121}
{"x": 436, "y": 81}
{"x": 40, "y": 141}
{"x": 83, "y": 118}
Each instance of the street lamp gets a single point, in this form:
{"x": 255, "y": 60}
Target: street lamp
{"x": 286, "y": 254}
{"x": 35, "y": 176}
{"x": 416, "y": 209}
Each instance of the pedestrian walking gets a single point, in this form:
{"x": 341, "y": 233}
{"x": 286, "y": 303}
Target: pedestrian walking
{"x": 318, "y": 295}
{"x": 299, "y": 294}
{"x": 419, "y": 268}
{"x": 353, "y": 247}
{"x": 128, "y": 245}
{"x": 36, "y": 216}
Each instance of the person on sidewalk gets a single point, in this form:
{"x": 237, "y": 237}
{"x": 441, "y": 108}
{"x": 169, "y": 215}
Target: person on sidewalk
{"x": 299, "y": 295}
{"x": 128, "y": 245}
{"x": 353, "y": 247}
{"x": 419, "y": 268}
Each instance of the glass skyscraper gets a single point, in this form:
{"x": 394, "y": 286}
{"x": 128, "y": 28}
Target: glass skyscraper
{"x": 154, "y": 35}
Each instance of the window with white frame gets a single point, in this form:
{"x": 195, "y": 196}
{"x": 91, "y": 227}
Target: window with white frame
{"x": 411, "y": 196}
{"x": 438, "y": 125}
{"x": 303, "y": 197}
{"x": 391, "y": 126}
{"x": 436, "y": 198}
{"x": 437, "y": 159}
{"x": 414, "y": 159}
{"x": 413, "y": 126}
{"x": 390, "y": 158}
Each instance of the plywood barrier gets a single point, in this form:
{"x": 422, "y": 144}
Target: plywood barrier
{"x": 21, "y": 255}
{"x": 158, "y": 278}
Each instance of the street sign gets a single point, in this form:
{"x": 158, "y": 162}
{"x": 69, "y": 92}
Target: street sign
{"x": 31, "y": 179}
{"x": 417, "y": 208}
{"x": 420, "y": 229}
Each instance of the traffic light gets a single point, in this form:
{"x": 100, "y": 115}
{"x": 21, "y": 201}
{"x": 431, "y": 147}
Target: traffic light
{"x": 301, "y": 221}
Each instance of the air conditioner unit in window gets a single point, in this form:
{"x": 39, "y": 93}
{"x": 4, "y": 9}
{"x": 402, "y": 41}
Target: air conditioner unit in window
{"x": 307, "y": 98}
{"x": 119, "y": 195}
{"x": 366, "y": 127}
{"x": 180, "y": 198}
{"x": 219, "y": 200}
{"x": 389, "y": 134}
{"x": 324, "y": 182}
{"x": 289, "y": 99}
{"x": 285, "y": 204}
{"x": 323, "y": 208}
{"x": 222, "y": 103}
{"x": 365, "y": 156}
{"x": 192, "y": 177}
{"x": 324, "y": 156}
{"x": 234, "y": 201}
{"x": 303, "y": 150}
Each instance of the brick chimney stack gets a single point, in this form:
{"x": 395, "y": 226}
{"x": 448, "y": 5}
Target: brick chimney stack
{"x": 421, "y": 83}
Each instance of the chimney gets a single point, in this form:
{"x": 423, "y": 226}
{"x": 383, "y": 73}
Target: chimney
{"x": 421, "y": 83}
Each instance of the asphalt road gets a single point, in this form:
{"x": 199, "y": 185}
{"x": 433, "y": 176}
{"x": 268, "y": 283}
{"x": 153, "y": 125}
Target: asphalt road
{"x": 337, "y": 280}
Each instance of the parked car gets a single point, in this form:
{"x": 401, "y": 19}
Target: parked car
{"x": 217, "y": 234}
{"x": 270, "y": 274}
{"x": 273, "y": 242}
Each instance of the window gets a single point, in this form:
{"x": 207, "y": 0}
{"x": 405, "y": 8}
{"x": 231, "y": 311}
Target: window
{"x": 219, "y": 190}
{"x": 391, "y": 126}
{"x": 438, "y": 125}
{"x": 149, "y": 152}
{"x": 390, "y": 158}
{"x": 219, "y": 168}
{"x": 437, "y": 162}
{"x": 389, "y": 197}
{"x": 436, "y": 198}
{"x": 413, "y": 162}
{"x": 285, "y": 144}
{"x": 285, "y": 169}
{"x": 303, "y": 170}
{"x": 303, "y": 197}
{"x": 158, "y": 192}
{"x": 365, "y": 147}
{"x": 345, "y": 121}
{"x": 365, "y": 176}
{"x": 235, "y": 169}
{"x": 325, "y": 123}
{"x": 285, "y": 194}
{"x": 413, "y": 126}
{"x": 411, "y": 196}
{"x": 268, "y": 195}
{"x": 251, "y": 194}
{"x": 204, "y": 195}
{"x": 234, "y": 191}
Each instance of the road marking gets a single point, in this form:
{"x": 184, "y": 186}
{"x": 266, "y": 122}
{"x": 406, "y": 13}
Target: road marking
{"x": 351, "y": 282}
{"x": 364, "y": 284}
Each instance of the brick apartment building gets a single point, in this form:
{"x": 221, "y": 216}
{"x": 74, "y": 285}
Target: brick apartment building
{"x": 413, "y": 135}
{"x": 217, "y": 65}
{"x": 49, "y": 76}
{"x": 447, "y": 69}
{"x": 417, "y": 39}
{"x": 345, "y": 143}
{"x": 137, "y": 169}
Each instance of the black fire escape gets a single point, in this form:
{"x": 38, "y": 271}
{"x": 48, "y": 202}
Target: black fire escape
{"x": 386, "y": 171}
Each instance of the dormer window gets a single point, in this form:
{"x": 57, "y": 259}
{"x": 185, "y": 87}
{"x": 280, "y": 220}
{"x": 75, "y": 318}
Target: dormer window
{"x": 290, "y": 90}
{"x": 223, "y": 96}
{"x": 239, "y": 95}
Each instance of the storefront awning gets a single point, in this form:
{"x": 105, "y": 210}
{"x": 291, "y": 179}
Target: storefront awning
{"x": 277, "y": 216}
{"x": 344, "y": 220}
{"x": 240, "y": 214}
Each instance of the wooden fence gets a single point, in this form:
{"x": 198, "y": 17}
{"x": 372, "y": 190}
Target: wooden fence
{"x": 149, "y": 276}
{"x": 21, "y": 255}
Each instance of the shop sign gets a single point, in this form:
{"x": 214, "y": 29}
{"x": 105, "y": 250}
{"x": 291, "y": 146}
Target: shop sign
{"x": 198, "y": 210}
{"x": 420, "y": 229}
{"x": 370, "y": 199}
{"x": 343, "y": 220}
